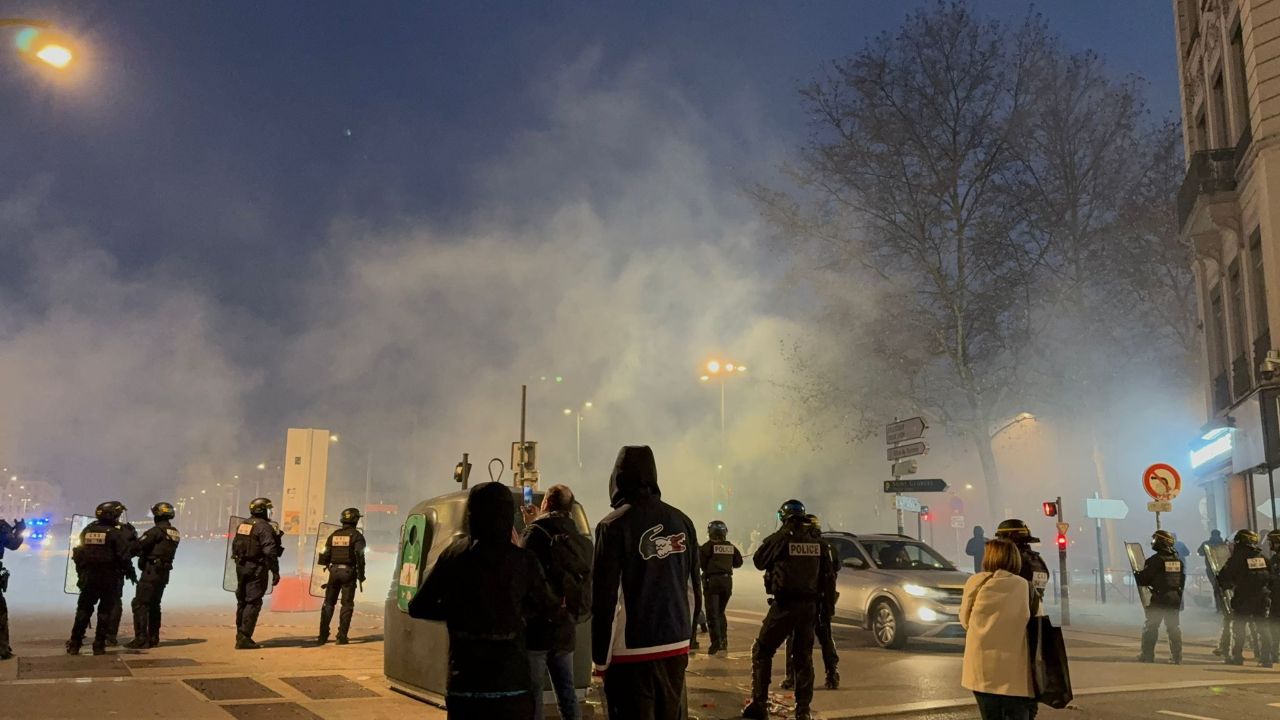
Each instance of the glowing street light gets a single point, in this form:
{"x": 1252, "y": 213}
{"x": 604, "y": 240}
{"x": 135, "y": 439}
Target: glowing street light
{"x": 578, "y": 429}
{"x": 38, "y": 42}
{"x": 717, "y": 369}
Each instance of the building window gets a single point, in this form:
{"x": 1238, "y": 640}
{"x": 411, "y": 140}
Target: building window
{"x": 1201, "y": 136}
{"x": 1236, "y": 288}
{"x": 1258, "y": 288}
{"x": 1218, "y": 122}
{"x": 1217, "y": 332}
{"x": 1240, "y": 91}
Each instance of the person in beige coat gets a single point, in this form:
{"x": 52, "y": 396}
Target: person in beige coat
{"x": 994, "y": 611}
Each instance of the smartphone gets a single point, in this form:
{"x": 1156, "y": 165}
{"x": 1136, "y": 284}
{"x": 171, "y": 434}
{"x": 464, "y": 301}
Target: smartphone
{"x": 528, "y": 495}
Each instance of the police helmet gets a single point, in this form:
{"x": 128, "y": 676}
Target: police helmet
{"x": 110, "y": 511}
{"x": 1015, "y": 530}
{"x": 260, "y": 507}
{"x": 717, "y": 529}
{"x": 1247, "y": 537}
{"x": 1273, "y": 538}
{"x": 791, "y": 509}
{"x": 162, "y": 511}
{"x": 1163, "y": 540}
{"x": 350, "y": 516}
{"x": 814, "y": 520}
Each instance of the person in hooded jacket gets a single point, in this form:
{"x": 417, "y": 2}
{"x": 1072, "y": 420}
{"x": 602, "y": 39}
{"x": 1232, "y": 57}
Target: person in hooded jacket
{"x": 976, "y": 546}
{"x": 485, "y": 588}
{"x": 646, "y": 590}
{"x": 1166, "y": 574}
{"x": 552, "y": 638}
{"x": 1246, "y": 576}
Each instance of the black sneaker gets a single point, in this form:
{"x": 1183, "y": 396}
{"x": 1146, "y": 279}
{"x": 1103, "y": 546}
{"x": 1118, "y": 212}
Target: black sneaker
{"x": 833, "y": 680}
{"x": 136, "y": 644}
{"x": 247, "y": 643}
{"x": 1175, "y": 661}
{"x": 73, "y": 648}
{"x": 1233, "y": 661}
{"x": 1146, "y": 659}
{"x": 99, "y": 650}
{"x": 322, "y": 639}
{"x": 756, "y": 711}
{"x": 6, "y": 655}
{"x": 342, "y": 640}
{"x": 788, "y": 684}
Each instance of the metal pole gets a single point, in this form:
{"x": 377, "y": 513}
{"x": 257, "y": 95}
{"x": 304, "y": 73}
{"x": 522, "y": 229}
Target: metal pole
{"x": 579, "y": 441}
{"x": 920, "y": 526}
{"x": 1102, "y": 571}
{"x": 1271, "y": 485}
{"x": 1064, "y": 581}
{"x": 898, "y": 506}
{"x": 719, "y": 477}
{"x": 519, "y": 472}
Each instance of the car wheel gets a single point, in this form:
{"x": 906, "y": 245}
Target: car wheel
{"x": 887, "y": 626}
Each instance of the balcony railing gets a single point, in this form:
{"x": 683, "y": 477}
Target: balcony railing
{"x": 1221, "y": 392}
{"x": 1241, "y": 377}
{"x": 1210, "y": 171}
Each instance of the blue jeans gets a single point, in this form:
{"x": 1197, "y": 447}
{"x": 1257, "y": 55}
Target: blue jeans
{"x": 560, "y": 665}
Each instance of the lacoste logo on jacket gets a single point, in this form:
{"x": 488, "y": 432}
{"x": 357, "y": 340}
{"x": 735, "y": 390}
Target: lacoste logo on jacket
{"x": 653, "y": 546}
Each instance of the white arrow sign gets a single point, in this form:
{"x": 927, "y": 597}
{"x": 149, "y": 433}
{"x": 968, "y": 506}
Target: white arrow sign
{"x": 1105, "y": 509}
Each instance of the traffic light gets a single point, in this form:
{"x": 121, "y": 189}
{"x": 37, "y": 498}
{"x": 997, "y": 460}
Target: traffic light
{"x": 1062, "y": 541}
{"x": 1051, "y": 508}
{"x": 924, "y": 513}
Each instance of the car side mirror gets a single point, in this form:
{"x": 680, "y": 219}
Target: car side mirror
{"x": 855, "y": 563}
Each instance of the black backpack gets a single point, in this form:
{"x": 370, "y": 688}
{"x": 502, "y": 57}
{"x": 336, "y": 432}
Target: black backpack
{"x": 570, "y": 572}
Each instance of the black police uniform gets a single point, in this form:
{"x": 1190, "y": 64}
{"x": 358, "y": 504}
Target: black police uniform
{"x": 10, "y": 539}
{"x": 798, "y": 574}
{"x": 1036, "y": 572}
{"x": 718, "y": 558}
{"x": 113, "y": 619}
{"x": 343, "y": 556}
{"x": 1247, "y": 577}
{"x": 1165, "y": 573}
{"x": 822, "y": 628}
{"x": 1273, "y": 611}
{"x": 156, "y": 550}
{"x": 256, "y": 550}
{"x": 102, "y": 563}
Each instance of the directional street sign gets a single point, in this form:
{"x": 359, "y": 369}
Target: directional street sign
{"x": 905, "y": 451}
{"x": 903, "y": 430}
{"x": 915, "y": 485}
{"x": 1105, "y": 509}
{"x": 907, "y": 503}
{"x": 1162, "y": 482}
{"x": 906, "y": 467}
{"x": 957, "y": 522}
{"x": 1160, "y": 506}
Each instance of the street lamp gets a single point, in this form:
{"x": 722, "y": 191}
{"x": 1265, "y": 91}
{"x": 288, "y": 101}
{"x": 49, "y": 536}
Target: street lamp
{"x": 578, "y": 430}
{"x": 1019, "y": 418}
{"x": 718, "y": 370}
{"x": 38, "y": 42}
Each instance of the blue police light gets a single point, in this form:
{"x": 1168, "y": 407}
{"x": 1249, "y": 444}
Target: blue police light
{"x": 719, "y": 507}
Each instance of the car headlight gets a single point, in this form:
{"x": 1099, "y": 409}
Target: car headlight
{"x": 921, "y": 591}
{"x": 927, "y": 615}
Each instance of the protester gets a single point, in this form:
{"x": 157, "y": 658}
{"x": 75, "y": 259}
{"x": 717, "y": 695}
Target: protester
{"x": 975, "y": 547}
{"x": 553, "y": 537}
{"x": 995, "y": 610}
{"x": 645, "y": 573}
{"x": 485, "y": 588}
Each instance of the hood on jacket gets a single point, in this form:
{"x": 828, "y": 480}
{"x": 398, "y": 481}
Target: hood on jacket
{"x": 491, "y": 512}
{"x": 635, "y": 476}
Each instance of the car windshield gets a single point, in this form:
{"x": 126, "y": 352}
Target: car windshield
{"x": 904, "y": 555}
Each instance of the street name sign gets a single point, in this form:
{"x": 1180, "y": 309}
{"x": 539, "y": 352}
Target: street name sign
{"x": 907, "y": 503}
{"x": 905, "y": 467}
{"x": 915, "y": 485}
{"x": 900, "y": 452}
{"x": 903, "y": 430}
{"x": 1160, "y": 506}
{"x": 1162, "y": 482}
{"x": 1105, "y": 509}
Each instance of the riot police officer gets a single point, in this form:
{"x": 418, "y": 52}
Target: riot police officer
{"x": 155, "y": 550}
{"x": 1273, "y": 613}
{"x": 102, "y": 563}
{"x": 113, "y": 620}
{"x": 343, "y": 557}
{"x": 798, "y": 574}
{"x": 1166, "y": 575}
{"x": 1246, "y": 575}
{"x": 822, "y": 629}
{"x": 256, "y": 551}
{"x": 719, "y": 558}
{"x": 1034, "y": 570}
{"x": 10, "y": 539}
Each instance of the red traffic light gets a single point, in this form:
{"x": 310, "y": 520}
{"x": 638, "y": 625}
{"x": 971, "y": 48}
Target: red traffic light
{"x": 925, "y": 515}
{"x": 1062, "y": 541}
{"x": 1051, "y": 509}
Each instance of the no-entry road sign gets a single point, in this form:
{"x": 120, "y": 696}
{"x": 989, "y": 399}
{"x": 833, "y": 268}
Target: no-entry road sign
{"x": 899, "y": 452}
{"x": 1162, "y": 482}
{"x": 915, "y": 485}
{"x": 903, "y": 430}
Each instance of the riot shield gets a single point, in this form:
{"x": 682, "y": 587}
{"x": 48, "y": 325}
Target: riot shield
{"x": 319, "y": 575}
{"x": 229, "y": 580}
{"x": 1137, "y": 558}
{"x": 71, "y": 580}
{"x": 1215, "y": 559}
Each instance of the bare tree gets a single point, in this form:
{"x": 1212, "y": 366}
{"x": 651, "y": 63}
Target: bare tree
{"x": 903, "y": 187}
